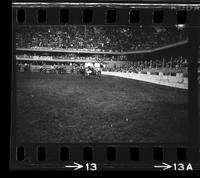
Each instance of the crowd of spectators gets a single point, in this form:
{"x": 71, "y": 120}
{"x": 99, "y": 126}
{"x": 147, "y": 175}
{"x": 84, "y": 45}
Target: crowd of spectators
{"x": 165, "y": 65}
{"x": 97, "y": 38}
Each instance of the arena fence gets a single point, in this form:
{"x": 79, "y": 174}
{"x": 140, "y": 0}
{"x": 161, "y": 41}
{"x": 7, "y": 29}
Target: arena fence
{"x": 178, "y": 81}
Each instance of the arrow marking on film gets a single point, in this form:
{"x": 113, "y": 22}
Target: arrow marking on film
{"x": 76, "y": 166}
{"x": 165, "y": 166}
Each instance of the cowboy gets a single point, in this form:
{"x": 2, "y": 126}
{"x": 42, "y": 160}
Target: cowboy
{"x": 88, "y": 70}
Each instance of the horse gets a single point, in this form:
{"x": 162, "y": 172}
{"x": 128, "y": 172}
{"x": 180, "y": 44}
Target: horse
{"x": 95, "y": 72}
{"x": 47, "y": 68}
{"x": 89, "y": 72}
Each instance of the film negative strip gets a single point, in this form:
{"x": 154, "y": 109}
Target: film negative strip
{"x": 105, "y": 86}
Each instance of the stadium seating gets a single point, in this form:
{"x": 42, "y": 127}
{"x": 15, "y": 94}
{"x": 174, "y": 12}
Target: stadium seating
{"x": 105, "y": 39}
{"x": 97, "y": 38}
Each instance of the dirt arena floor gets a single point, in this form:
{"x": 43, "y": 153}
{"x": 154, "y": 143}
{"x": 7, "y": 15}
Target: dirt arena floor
{"x": 55, "y": 108}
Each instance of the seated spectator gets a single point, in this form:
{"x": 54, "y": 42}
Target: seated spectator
{"x": 101, "y": 38}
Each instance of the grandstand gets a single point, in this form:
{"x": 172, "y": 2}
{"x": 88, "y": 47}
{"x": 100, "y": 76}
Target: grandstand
{"x": 140, "y": 97}
{"x": 129, "y": 52}
{"x": 97, "y": 38}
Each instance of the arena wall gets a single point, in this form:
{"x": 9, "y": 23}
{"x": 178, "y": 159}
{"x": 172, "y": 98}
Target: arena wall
{"x": 177, "y": 81}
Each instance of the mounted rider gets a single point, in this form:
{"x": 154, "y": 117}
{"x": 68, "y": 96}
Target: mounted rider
{"x": 88, "y": 70}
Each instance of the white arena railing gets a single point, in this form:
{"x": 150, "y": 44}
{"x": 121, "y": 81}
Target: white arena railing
{"x": 177, "y": 81}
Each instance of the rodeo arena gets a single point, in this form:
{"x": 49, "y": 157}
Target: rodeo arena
{"x": 81, "y": 83}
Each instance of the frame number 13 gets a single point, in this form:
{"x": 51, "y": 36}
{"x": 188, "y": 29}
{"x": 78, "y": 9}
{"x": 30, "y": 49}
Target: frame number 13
{"x": 91, "y": 166}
